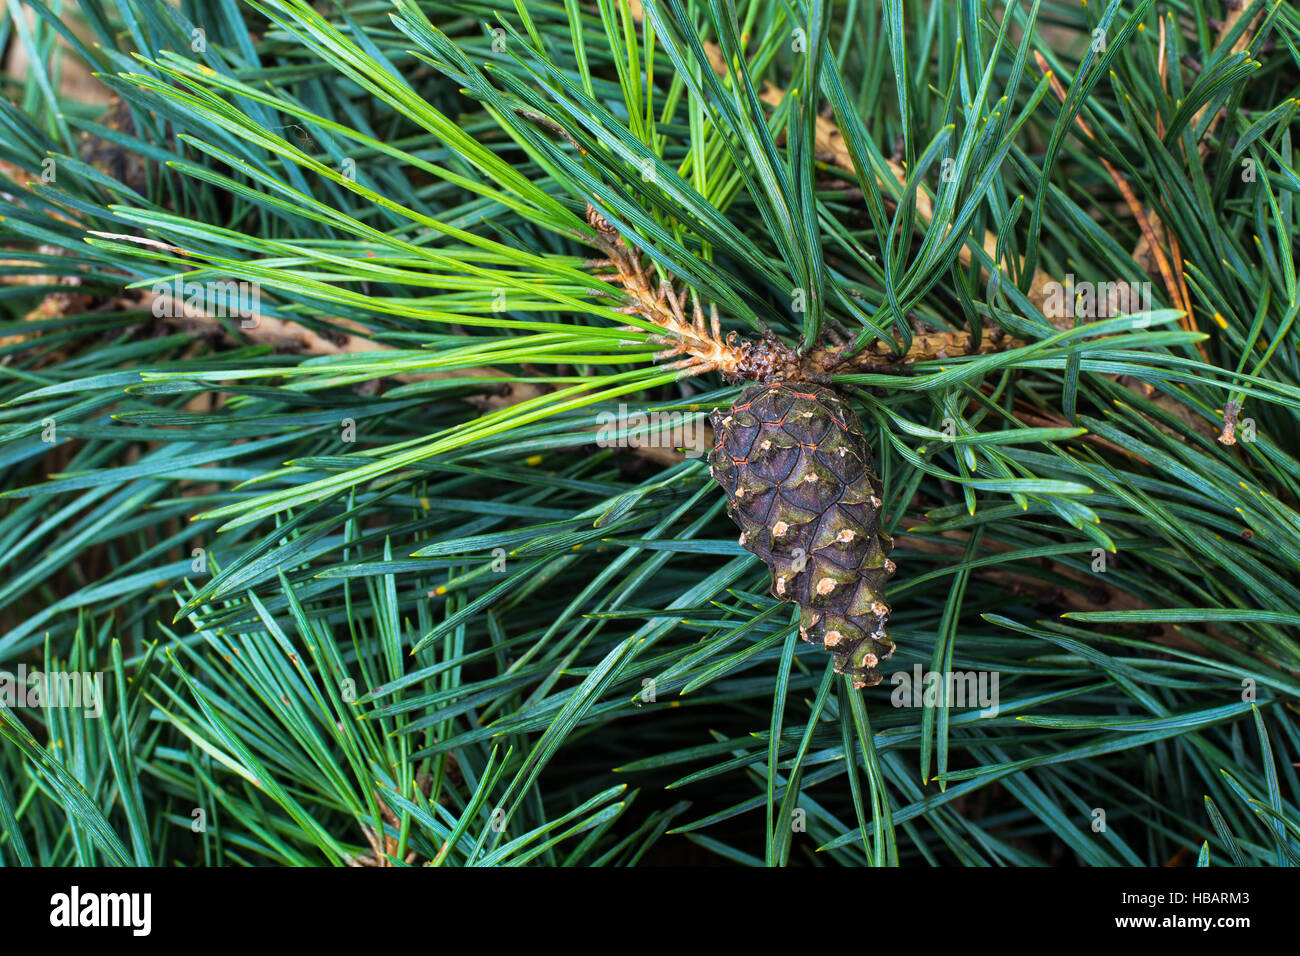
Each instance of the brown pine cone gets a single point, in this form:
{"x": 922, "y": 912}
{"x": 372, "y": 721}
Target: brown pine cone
{"x": 796, "y": 468}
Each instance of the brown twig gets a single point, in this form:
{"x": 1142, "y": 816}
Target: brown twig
{"x": 281, "y": 334}
{"x": 1230, "y": 413}
{"x": 1135, "y": 207}
{"x": 286, "y": 335}
{"x": 1142, "y": 252}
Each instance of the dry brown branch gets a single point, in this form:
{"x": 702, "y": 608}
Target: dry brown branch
{"x": 1172, "y": 288}
{"x": 1142, "y": 252}
{"x": 288, "y": 336}
{"x": 1149, "y": 244}
{"x": 283, "y": 335}
{"x": 1230, "y": 412}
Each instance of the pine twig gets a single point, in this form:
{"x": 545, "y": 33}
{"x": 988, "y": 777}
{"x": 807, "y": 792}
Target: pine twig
{"x": 1143, "y": 251}
{"x": 706, "y": 349}
{"x": 829, "y": 143}
{"x": 1125, "y": 190}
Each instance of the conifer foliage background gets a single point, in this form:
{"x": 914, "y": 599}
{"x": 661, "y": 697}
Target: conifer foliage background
{"x": 367, "y": 585}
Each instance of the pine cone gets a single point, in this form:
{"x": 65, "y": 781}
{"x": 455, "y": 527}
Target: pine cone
{"x": 796, "y": 468}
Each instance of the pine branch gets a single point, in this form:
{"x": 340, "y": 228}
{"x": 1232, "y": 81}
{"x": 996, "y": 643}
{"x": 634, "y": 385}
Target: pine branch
{"x": 707, "y": 350}
{"x": 831, "y": 145}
